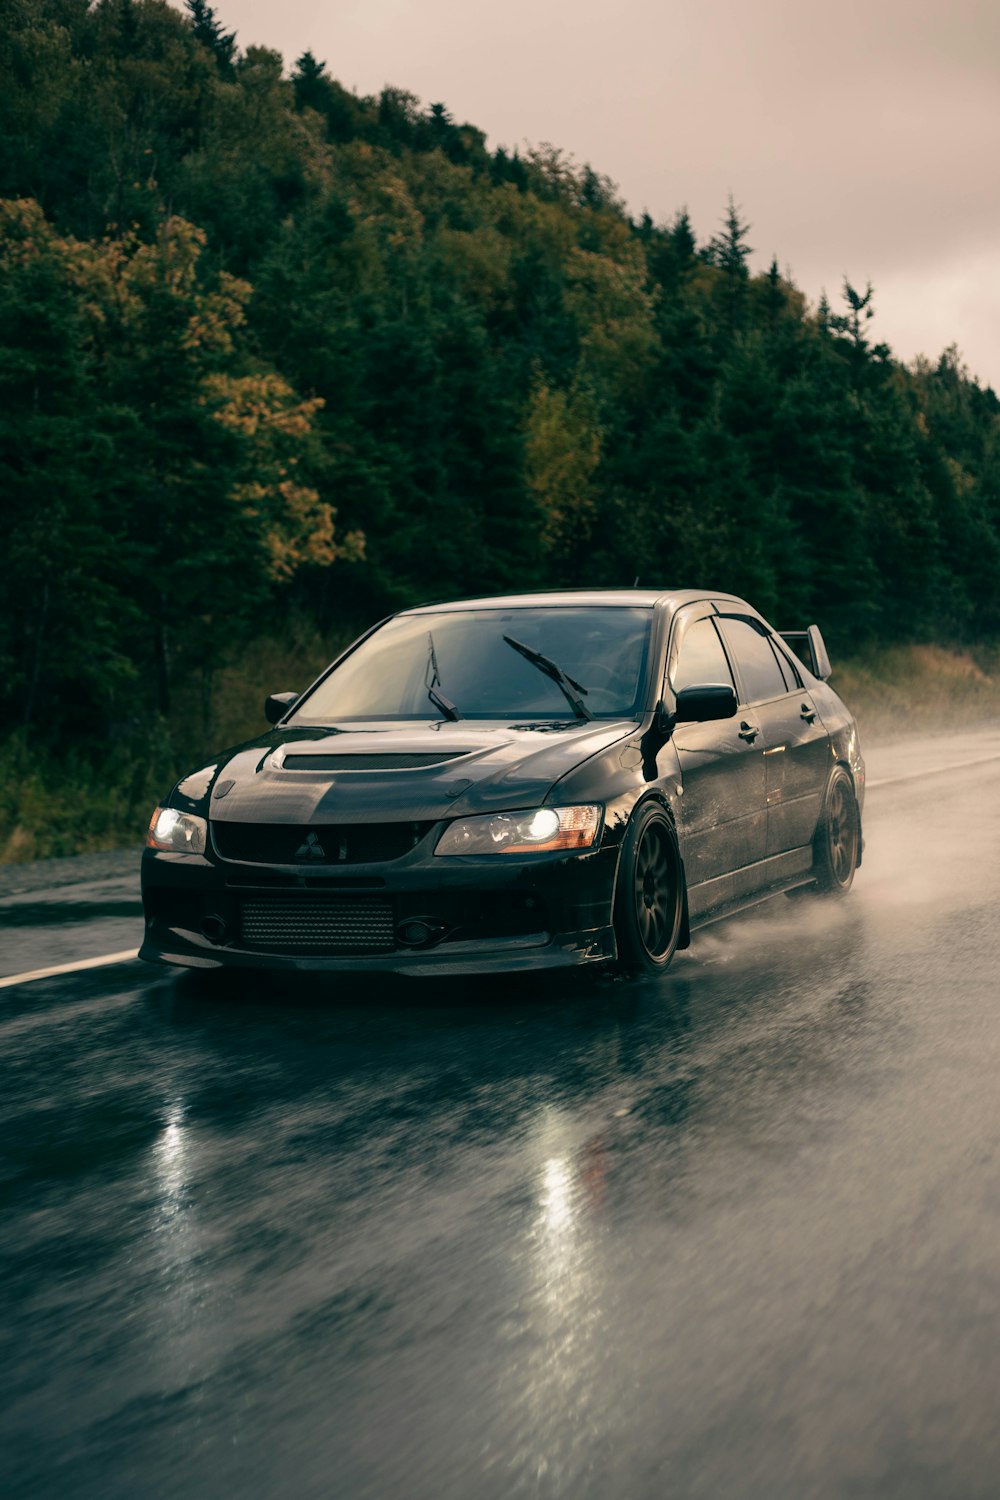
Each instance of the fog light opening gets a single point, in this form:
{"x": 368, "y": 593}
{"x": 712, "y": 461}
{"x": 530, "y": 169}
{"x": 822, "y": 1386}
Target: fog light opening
{"x": 419, "y": 932}
{"x": 214, "y": 928}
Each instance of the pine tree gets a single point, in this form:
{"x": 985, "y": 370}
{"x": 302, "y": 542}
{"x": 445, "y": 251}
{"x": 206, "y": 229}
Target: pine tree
{"x": 729, "y": 250}
{"x": 208, "y": 29}
{"x": 823, "y": 313}
{"x": 729, "y": 253}
{"x": 682, "y": 236}
{"x": 310, "y": 82}
{"x": 859, "y": 312}
{"x": 774, "y": 301}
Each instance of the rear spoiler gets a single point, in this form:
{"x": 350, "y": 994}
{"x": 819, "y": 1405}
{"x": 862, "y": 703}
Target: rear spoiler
{"x": 808, "y": 645}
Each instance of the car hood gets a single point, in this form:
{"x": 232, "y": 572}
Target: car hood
{"x": 382, "y": 773}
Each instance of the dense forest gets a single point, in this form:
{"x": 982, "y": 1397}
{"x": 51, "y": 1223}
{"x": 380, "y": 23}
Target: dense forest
{"x": 273, "y": 352}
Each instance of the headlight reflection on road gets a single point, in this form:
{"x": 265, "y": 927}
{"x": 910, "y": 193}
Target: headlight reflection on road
{"x": 169, "y": 1164}
{"x": 174, "y": 1227}
{"x": 556, "y": 1376}
{"x": 557, "y": 1206}
{"x": 563, "y": 1232}
{"x": 181, "y": 1331}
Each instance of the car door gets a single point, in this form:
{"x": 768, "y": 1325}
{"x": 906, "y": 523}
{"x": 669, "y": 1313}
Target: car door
{"x": 796, "y": 747}
{"x": 723, "y": 806}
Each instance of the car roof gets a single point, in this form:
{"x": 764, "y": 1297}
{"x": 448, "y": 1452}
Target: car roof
{"x": 635, "y": 598}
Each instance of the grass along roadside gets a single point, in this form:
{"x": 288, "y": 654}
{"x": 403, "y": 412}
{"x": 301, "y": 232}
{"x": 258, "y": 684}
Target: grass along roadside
{"x": 100, "y": 797}
{"x": 930, "y": 688}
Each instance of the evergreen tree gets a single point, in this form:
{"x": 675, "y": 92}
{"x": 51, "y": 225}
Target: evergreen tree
{"x": 682, "y": 236}
{"x": 310, "y": 83}
{"x": 730, "y": 253}
{"x": 729, "y": 250}
{"x": 208, "y": 30}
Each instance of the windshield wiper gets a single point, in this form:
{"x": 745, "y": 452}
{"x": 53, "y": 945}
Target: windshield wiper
{"x": 565, "y": 684}
{"x": 431, "y": 677}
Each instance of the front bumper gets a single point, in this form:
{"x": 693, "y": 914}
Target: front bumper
{"x": 493, "y": 914}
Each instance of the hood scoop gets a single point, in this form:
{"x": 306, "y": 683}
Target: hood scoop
{"x": 405, "y": 760}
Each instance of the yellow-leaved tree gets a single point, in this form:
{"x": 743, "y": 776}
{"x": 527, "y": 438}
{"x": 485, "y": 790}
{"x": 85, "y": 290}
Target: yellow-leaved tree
{"x": 562, "y": 453}
{"x": 192, "y": 458}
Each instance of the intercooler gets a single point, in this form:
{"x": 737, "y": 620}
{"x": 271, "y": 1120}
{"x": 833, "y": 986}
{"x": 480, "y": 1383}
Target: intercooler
{"x": 317, "y": 923}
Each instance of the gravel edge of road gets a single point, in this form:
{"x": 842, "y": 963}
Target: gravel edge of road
{"x": 75, "y": 869}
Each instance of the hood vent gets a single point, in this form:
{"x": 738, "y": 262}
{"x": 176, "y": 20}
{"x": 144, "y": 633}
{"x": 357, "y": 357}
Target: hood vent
{"x": 401, "y": 761}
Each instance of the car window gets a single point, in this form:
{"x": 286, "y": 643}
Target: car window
{"x": 788, "y": 672}
{"x": 467, "y": 656}
{"x": 758, "y": 666}
{"x": 701, "y": 657}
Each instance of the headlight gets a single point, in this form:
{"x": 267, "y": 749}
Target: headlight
{"x": 540, "y": 829}
{"x": 183, "y": 832}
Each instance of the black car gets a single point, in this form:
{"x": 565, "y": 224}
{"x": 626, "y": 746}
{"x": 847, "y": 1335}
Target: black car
{"x": 515, "y": 783}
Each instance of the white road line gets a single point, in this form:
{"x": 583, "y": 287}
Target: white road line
{"x": 961, "y": 765}
{"x": 75, "y": 968}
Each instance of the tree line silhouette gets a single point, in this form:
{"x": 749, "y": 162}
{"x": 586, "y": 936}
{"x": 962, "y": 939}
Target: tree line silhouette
{"x": 270, "y": 349}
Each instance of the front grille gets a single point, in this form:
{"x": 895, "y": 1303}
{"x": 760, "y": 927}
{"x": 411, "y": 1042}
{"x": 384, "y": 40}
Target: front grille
{"x": 316, "y": 844}
{"x": 317, "y": 924}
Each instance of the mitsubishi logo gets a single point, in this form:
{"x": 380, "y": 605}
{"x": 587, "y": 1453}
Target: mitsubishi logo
{"x": 311, "y": 849}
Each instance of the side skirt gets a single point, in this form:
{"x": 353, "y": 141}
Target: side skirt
{"x": 713, "y": 900}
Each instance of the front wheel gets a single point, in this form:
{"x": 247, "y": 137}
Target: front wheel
{"x": 649, "y": 895}
{"x": 837, "y": 846}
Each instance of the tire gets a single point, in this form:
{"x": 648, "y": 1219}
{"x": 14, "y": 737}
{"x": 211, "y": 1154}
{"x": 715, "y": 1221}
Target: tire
{"x": 837, "y": 846}
{"x": 649, "y": 893}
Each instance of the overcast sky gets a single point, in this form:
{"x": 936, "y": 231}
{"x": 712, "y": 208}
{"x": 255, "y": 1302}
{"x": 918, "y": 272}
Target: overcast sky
{"x": 860, "y": 138}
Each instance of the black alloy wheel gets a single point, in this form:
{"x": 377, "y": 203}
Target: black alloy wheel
{"x": 649, "y": 896}
{"x": 838, "y": 837}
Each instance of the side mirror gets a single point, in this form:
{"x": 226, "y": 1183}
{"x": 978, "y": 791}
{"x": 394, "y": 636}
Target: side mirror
{"x": 704, "y": 701}
{"x": 277, "y": 706}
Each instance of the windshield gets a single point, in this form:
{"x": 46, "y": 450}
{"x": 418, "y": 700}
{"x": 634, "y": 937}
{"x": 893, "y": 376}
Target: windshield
{"x": 457, "y": 663}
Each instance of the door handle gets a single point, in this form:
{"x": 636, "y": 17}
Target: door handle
{"x": 808, "y": 713}
{"x": 748, "y": 732}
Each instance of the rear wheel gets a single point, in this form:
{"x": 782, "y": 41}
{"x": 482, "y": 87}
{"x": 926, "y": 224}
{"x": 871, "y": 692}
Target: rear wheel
{"x": 649, "y": 896}
{"x": 838, "y": 838}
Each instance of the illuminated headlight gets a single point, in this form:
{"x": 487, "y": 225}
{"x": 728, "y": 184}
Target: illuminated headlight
{"x": 183, "y": 832}
{"x": 540, "y": 830}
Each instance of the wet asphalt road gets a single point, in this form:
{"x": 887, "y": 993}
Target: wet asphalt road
{"x": 734, "y": 1234}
